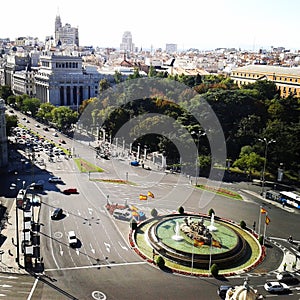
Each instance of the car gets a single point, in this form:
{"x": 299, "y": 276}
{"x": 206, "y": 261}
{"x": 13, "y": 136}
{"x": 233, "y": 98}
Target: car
{"x": 122, "y": 214}
{"x": 275, "y": 287}
{"x": 37, "y": 125}
{"x": 57, "y": 213}
{"x": 72, "y": 239}
{"x": 62, "y": 141}
{"x": 55, "y": 179}
{"x": 70, "y": 191}
{"x": 287, "y": 277}
{"x": 55, "y": 134}
{"x": 46, "y": 128}
{"x": 37, "y": 186}
{"x": 222, "y": 290}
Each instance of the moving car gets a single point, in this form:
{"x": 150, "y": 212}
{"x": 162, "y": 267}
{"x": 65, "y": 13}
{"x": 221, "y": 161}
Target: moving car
{"x": 70, "y": 191}
{"x": 57, "y": 214}
{"x": 122, "y": 214}
{"x": 287, "y": 277}
{"x": 275, "y": 287}
{"x": 55, "y": 179}
{"x": 72, "y": 239}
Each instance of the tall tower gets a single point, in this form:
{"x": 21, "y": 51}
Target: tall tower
{"x": 58, "y": 26}
{"x": 127, "y": 44}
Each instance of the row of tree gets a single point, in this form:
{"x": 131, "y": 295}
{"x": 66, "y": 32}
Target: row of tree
{"x": 247, "y": 116}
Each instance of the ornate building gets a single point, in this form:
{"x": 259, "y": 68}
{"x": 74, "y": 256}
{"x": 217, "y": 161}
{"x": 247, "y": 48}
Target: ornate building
{"x": 127, "y": 44}
{"x": 65, "y": 35}
{"x": 62, "y": 80}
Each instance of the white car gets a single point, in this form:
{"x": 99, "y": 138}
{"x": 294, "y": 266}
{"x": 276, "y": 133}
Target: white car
{"x": 275, "y": 287}
{"x": 72, "y": 239}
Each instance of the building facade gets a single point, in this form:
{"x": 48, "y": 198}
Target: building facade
{"x": 3, "y": 137}
{"x": 62, "y": 81}
{"x": 286, "y": 79}
{"x": 127, "y": 44}
{"x": 65, "y": 35}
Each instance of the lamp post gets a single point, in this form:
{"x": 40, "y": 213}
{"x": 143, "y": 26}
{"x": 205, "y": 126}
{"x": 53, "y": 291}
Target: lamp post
{"x": 199, "y": 134}
{"x": 264, "y": 140}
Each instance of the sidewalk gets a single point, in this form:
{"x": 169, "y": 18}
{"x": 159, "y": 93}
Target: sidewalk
{"x": 8, "y": 240}
{"x": 20, "y": 227}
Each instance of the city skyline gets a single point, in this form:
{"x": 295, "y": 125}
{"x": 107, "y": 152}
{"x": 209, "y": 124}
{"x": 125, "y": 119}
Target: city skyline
{"x": 194, "y": 24}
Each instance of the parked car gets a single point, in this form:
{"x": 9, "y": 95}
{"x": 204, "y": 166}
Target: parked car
{"x": 37, "y": 186}
{"x": 287, "y": 277}
{"x": 72, "y": 239}
{"x": 222, "y": 290}
{"x": 55, "y": 179}
{"x": 70, "y": 191}
{"x": 275, "y": 287}
{"x": 62, "y": 141}
{"x": 57, "y": 214}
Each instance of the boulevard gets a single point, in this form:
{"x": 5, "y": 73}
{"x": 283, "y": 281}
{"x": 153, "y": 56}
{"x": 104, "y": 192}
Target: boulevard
{"x": 103, "y": 265}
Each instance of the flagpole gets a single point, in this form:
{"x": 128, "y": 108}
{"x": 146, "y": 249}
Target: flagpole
{"x": 192, "y": 257}
{"x": 259, "y": 221}
{"x": 265, "y": 228}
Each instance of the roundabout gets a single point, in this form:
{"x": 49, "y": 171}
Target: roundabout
{"x": 192, "y": 243}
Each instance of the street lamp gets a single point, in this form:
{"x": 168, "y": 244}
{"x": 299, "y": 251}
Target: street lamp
{"x": 264, "y": 140}
{"x": 199, "y": 134}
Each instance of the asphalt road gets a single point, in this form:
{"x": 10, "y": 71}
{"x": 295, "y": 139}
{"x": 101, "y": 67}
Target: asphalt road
{"x": 103, "y": 265}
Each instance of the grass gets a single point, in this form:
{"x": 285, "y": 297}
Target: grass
{"x": 85, "y": 166}
{"x": 221, "y": 192}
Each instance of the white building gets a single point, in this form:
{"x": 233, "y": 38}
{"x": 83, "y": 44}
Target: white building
{"x": 127, "y": 44}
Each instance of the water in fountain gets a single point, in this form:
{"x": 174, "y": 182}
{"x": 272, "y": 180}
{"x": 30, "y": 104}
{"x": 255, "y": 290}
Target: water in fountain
{"x": 212, "y": 227}
{"x": 177, "y": 236}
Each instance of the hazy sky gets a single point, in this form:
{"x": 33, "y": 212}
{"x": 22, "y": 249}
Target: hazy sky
{"x": 202, "y": 24}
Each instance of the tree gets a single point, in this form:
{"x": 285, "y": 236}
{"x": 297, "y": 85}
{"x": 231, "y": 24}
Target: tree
{"x": 160, "y": 262}
{"x": 152, "y": 72}
{"x": 214, "y": 270}
{"x": 64, "y": 117}
{"x": 103, "y": 85}
{"x": 181, "y": 210}
{"x": 5, "y": 92}
{"x": 249, "y": 160}
{"x": 44, "y": 112}
{"x": 154, "y": 213}
{"x": 31, "y": 105}
{"x": 210, "y": 212}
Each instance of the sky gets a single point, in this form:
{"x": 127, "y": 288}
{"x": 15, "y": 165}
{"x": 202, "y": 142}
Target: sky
{"x": 201, "y": 24}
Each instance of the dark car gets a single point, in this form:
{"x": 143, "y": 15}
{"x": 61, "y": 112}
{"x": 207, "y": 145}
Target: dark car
{"x": 287, "y": 277}
{"x": 37, "y": 186}
{"x": 57, "y": 214}
{"x": 70, "y": 191}
{"x": 222, "y": 290}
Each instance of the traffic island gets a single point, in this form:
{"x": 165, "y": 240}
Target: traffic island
{"x": 192, "y": 243}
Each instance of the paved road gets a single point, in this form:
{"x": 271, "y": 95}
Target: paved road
{"x": 104, "y": 262}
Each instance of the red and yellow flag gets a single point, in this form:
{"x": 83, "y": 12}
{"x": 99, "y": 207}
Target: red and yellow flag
{"x": 198, "y": 243}
{"x": 267, "y": 220}
{"x": 263, "y": 211}
{"x": 150, "y": 194}
{"x": 143, "y": 197}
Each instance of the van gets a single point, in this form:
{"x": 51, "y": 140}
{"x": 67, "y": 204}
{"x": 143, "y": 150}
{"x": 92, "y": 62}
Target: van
{"x": 122, "y": 214}
{"x": 57, "y": 214}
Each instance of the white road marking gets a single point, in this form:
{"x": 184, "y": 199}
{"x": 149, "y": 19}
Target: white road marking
{"x": 92, "y": 249}
{"x": 77, "y": 251}
{"x": 61, "y": 252}
{"x": 107, "y": 246}
{"x": 90, "y": 210}
{"x": 32, "y": 289}
{"x": 123, "y": 247}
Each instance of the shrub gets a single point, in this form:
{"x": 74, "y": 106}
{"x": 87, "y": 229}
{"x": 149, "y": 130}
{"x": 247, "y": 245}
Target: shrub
{"x": 160, "y": 262}
{"x": 210, "y": 212}
{"x": 154, "y": 213}
{"x": 214, "y": 270}
{"x": 243, "y": 224}
{"x": 133, "y": 224}
{"x": 181, "y": 210}
{"x": 261, "y": 239}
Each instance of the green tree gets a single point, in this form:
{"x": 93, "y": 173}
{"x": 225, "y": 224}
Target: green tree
{"x": 11, "y": 122}
{"x": 249, "y": 160}
{"x": 44, "y": 113}
{"x": 5, "y": 92}
{"x": 31, "y": 105}
{"x": 64, "y": 117}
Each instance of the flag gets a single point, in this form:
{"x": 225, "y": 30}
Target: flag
{"x": 267, "y": 220}
{"x": 150, "y": 194}
{"x": 198, "y": 243}
{"x": 134, "y": 208}
{"x": 216, "y": 244}
{"x": 263, "y": 211}
{"x": 143, "y": 197}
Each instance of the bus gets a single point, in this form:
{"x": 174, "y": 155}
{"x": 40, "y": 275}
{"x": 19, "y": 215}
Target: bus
{"x": 290, "y": 198}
